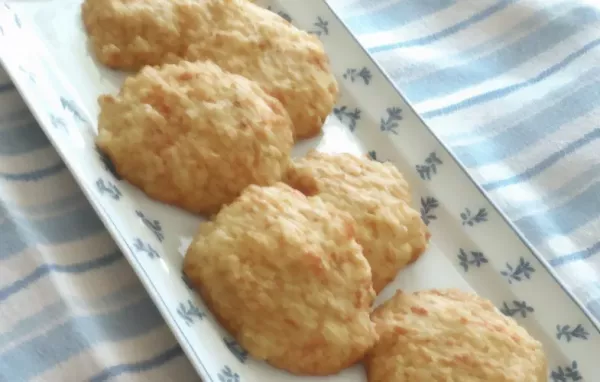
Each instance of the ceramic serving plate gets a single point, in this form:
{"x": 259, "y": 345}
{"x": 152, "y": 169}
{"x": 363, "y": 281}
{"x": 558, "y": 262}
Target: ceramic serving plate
{"x": 44, "y": 49}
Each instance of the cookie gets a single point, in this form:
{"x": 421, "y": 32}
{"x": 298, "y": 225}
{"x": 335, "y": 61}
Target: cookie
{"x": 450, "y": 335}
{"x": 238, "y": 35}
{"x": 289, "y": 63}
{"x": 193, "y": 135}
{"x": 377, "y": 196}
{"x": 285, "y": 276}
{"x": 131, "y": 34}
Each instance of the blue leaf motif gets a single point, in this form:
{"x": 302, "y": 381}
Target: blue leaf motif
{"x": 390, "y": 123}
{"x": 108, "y": 188}
{"x": 281, "y": 14}
{"x": 17, "y": 21}
{"x": 472, "y": 258}
{"x": 428, "y": 205}
{"x": 470, "y": 219}
{"x": 146, "y": 248}
{"x": 227, "y": 375}
{"x": 153, "y": 225}
{"x": 518, "y": 307}
{"x": 236, "y": 349}
{"x": 568, "y": 333}
{"x": 58, "y": 122}
{"x": 354, "y": 74}
{"x": 321, "y": 27}
{"x": 566, "y": 374}
{"x": 70, "y": 107}
{"x": 373, "y": 156}
{"x": 429, "y": 168}
{"x": 518, "y": 273}
{"x": 190, "y": 312}
{"x": 347, "y": 116}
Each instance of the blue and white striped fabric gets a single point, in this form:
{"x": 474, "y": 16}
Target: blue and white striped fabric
{"x": 512, "y": 86}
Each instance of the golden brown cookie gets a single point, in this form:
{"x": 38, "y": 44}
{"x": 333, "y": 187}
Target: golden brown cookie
{"x": 284, "y": 275}
{"x": 390, "y": 231}
{"x": 193, "y": 135}
{"x": 128, "y": 34}
{"x": 238, "y": 35}
{"x": 450, "y": 335}
{"x": 289, "y": 63}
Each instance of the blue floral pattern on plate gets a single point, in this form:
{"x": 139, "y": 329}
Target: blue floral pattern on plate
{"x": 143, "y": 247}
{"x": 391, "y": 122}
{"x": 519, "y": 272}
{"x": 354, "y": 74}
{"x": 428, "y": 206}
{"x": 515, "y": 308}
{"x": 152, "y": 224}
{"x": 469, "y": 259}
{"x": 106, "y": 187}
{"x": 349, "y": 116}
{"x": 430, "y": 167}
{"x": 189, "y": 312}
{"x": 228, "y": 375}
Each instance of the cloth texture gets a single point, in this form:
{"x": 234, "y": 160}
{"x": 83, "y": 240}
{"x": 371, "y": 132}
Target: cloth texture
{"x": 512, "y": 87}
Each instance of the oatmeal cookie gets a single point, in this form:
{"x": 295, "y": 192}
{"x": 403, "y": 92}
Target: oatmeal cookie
{"x": 450, "y": 335}
{"x": 390, "y": 231}
{"x": 284, "y": 275}
{"x": 131, "y": 34}
{"x": 193, "y": 135}
{"x": 289, "y": 63}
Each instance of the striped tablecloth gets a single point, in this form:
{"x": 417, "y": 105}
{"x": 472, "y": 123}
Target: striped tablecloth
{"x": 512, "y": 86}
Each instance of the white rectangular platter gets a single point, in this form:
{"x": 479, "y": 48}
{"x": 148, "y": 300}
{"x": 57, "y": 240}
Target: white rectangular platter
{"x": 44, "y": 49}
